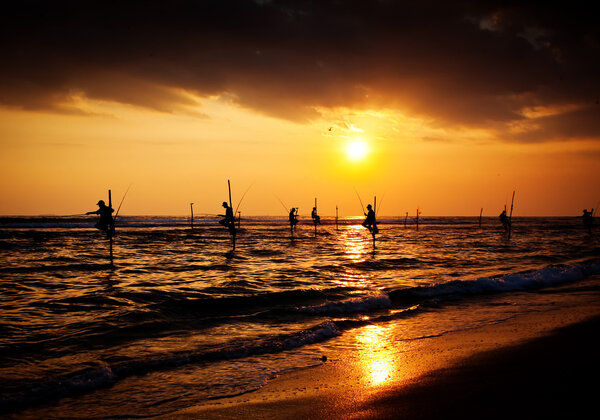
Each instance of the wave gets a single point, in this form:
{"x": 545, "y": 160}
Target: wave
{"x": 56, "y": 268}
{"x": 349, "y": 306}
{"x": 14, "y": 397}
{"x": 553, "y": 275}
{"x": 24, "y": 394}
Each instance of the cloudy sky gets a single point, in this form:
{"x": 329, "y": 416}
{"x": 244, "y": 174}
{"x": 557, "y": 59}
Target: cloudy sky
{"x": 449, "y": 106}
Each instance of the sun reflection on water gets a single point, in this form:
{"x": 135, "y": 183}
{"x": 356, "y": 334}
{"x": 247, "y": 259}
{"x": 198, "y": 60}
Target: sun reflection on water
{"x": 378, "y": 362}
{"x": 355, "y": 248}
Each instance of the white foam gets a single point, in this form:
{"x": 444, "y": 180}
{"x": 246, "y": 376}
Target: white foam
{"x": 538, "y": 279}
{"x": 353, "y": 305}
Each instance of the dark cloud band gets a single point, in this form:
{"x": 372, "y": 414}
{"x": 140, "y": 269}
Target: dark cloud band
{"x": 469, "y": 63}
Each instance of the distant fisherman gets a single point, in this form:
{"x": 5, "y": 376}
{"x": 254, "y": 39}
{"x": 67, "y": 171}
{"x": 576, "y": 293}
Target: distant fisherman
{"x": 504, "y": 219}
{"x": 228, "y": 220}
{"x": 293, "y": 216}
{"x": 106, "y": 222}
{"x": 588, "y": 218}
{"x": 370, "y": 222}
{"x": 315, "y": 217}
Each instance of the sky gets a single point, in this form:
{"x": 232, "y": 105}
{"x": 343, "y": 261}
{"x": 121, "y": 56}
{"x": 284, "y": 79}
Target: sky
{"x": 444, "y": 106}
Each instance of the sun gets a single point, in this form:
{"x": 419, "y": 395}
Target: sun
{"x": 356, "y": 150}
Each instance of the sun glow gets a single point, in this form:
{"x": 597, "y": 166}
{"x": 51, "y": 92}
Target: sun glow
{"x": 379, "y": 364}
{"x": 356, "y": 150}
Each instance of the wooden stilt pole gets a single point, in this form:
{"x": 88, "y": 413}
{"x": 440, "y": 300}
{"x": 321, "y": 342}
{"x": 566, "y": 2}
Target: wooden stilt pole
{"x": 192, "y": 216}
{"x": 510, "y": 217}
{"x": 480, "y": 214}
{"x": 375, "y": 204}
{"x": 110, "y": 230}
{"x": 315, "y": 220}
{"x": 405, "y": 217}
{"x": 417, "y": 218}
{"x": 374, "y": 227}
{"x": 232, "y": 225}
{"x": 239, "y": 218}
{"x": 336, "y": 218}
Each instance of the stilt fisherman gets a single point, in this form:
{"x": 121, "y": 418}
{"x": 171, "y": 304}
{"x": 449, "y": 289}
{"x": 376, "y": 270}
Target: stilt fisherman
{"x": 106, "y": 222}
{"x": 370, "y": 222}
{"x": 588, "y": 219}
{"x": 293, "y": 217}
{"x": 315, "y": 217}
{"x": 228, "y": 220}
{"x": 504, "y": 220}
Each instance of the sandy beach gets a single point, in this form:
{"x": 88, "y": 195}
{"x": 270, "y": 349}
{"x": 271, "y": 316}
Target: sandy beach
{"x": 536, "y": 366}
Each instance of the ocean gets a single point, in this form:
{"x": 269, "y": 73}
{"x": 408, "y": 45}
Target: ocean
{"x": 181, "y": 319}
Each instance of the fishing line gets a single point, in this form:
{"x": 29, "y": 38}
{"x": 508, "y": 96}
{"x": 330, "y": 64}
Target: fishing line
{"x": 379, "y": 206}
{"x": 120, "y": 204}
{"x": 282, "y": 203}
{"x": 240, "y": 202}
{"x": 361, "y": 203}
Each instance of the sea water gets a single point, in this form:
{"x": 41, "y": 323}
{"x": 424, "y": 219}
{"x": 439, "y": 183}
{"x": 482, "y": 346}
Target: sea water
{"x": 181, "y": 318}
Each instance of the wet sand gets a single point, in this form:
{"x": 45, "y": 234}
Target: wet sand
{"x": 535, "y": 366}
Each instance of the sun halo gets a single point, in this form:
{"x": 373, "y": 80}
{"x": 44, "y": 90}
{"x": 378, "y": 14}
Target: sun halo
{"x": 356, "y": 150}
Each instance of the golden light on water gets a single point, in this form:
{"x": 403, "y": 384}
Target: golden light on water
{"x": 356, "y": 248}
{"x": 377, "y": 360}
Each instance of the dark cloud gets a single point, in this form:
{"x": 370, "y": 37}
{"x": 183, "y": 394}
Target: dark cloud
{"x": 464, "y": 63}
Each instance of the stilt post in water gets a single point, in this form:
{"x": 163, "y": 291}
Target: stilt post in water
{"x": 480, "y": 214}
{"x": 418, "y": 218}
{"x": 336, "y": 218}
{"x": 232, "y": 226}
{"x": 192, "y": 216}
{"x": 510, "y": 217}
{"x": 405, "y": 217}
{"x": 111, "y": 229}
{"x": 374, "y": 228}
{"x": 315, "y": 220}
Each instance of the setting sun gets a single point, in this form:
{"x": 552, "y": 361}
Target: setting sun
{"x": 357, "y": 150}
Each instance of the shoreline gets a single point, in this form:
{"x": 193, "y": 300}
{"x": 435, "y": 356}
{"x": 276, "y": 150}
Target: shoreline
{"x": 531, "y": 366}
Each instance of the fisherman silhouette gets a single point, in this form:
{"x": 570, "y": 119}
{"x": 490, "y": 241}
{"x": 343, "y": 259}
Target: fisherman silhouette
{"x": 106, "y": 222}
{"x": 370, "y": 222}
{"x": 228, "y": 220}
{"x": 504, "y": 219}
{"x": 588, "y": 219}
{"x": 315, "y": 217}
{"x": 293, "y": 216}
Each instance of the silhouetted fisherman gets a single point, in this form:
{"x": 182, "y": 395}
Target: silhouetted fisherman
{"x": 370, "y": 222}
{"x": 315, "y": 217}
{"x": 228, "y": 220}
{"x": 504, "y": 219}
{"x": 106, "y": 222}
{"x": 588, "y": 218}
{"x": 293, "y": 216}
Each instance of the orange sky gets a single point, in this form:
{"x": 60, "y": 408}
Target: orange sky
{"x": 453, "y": 119}
{"x": 62, "y": 164}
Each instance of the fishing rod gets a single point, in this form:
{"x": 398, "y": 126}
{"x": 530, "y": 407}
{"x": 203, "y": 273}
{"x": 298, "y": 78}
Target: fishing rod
{"x": 378, "y": 208}
{"x": 121, "y": 203}
{"x": 361, "y": 203}
{"x": 596, "y": 209}
{"x": 241, "y": 199}
{"x": 282, "y": 203}
{"x": 511, "y": 212}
